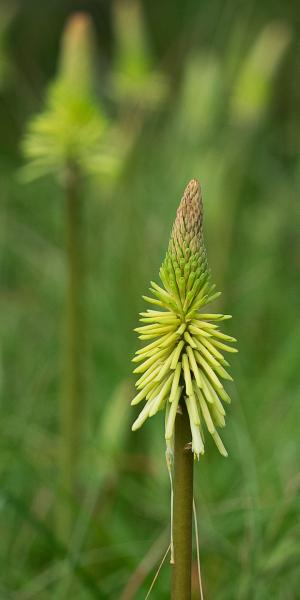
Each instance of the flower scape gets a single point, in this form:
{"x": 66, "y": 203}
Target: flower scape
{"x": 183, "y": 361}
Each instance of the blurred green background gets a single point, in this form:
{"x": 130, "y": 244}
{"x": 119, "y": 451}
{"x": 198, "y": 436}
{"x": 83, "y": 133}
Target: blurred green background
{"x": 193, "y": 89}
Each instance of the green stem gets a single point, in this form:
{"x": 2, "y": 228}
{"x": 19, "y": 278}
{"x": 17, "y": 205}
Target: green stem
{"x": 72, "y": 398}
{"x": 183, "y": 508}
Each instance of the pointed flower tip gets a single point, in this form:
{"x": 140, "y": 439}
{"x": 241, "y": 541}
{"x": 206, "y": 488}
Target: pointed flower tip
{"x": 192, "y": 189}
{"x": 187, "y": 229}
{"x": 190, "y": 207}
{"x": 78, "y": 28}
{"x": 77, "y": 22}
{"x": 77, "y": 56}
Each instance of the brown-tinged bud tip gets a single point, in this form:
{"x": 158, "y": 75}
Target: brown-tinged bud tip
{"x": 187, "y": 228}
{"x": 77, "y": 51}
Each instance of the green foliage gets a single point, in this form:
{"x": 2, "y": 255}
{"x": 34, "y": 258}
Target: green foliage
{"x": 250, "y": 175}
{"x": 135, "y": 80}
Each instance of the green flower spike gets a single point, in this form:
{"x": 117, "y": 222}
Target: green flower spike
{"x": 183, "y": 361}
{"x": 72, "y": 128}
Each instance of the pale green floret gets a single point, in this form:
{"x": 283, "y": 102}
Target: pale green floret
{"x": 182, "y": 361}
{"x": 172, "y": 413}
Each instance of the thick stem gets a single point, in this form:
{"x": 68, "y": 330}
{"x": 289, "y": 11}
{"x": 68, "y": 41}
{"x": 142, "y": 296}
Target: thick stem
{"x": 72, "y": 393}
{"x": 183, "y": 508}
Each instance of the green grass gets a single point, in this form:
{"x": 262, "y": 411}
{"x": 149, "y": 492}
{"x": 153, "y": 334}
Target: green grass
{"x": 249, "y": 503}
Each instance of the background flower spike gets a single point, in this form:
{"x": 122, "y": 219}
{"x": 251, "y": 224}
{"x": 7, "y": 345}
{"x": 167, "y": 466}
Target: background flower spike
{"x": 191, "y": 346}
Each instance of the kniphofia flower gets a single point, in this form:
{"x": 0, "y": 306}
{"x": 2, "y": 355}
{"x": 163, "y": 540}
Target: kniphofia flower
{"x": 72, "y": 128}
{"x": 183, "y": 360}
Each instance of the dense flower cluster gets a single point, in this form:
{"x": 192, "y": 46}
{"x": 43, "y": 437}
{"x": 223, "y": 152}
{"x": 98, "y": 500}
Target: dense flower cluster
{"x": 183, "y": 361}
{"x": 72, "y": 128}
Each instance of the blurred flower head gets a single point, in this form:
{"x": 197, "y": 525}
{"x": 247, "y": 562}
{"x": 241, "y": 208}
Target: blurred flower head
{"x": 72, "y": 128}
{"x": 183, "y": 361}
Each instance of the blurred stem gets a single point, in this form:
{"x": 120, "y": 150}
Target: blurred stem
{"x": 72, "y": 392}
{"x": 183, "y": 508}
